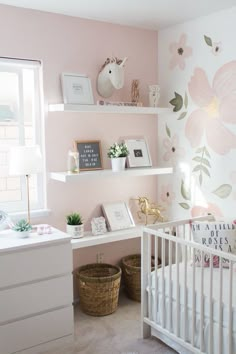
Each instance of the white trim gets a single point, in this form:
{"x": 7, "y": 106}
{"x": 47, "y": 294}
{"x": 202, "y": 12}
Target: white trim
{"x": 33, "y": 214}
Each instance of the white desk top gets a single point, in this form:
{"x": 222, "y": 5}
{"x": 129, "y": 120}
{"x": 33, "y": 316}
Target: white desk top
{"x": 10, "y": 240}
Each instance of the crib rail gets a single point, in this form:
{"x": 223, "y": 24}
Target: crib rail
{"x": 182, "y": 299}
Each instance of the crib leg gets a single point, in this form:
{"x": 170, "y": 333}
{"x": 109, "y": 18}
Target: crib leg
{"x": 146, "y": 330}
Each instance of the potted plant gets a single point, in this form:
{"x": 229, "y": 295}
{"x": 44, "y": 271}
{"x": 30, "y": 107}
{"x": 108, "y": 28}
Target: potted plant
{"x": 75, "y": 226}
{"x": 23, "y": 228}
{"x": 118, "y": 153}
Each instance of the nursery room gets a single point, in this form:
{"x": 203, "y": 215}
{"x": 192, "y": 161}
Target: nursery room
{"x": 117, "y": 177}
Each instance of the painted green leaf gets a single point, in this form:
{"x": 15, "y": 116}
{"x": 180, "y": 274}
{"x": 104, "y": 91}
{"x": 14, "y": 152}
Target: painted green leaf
{"x": 182, "y": 115}
{"x": 223, "y": 191}
{"x": 168, "y": 131}
{"x": 184, "y": 205}
{"x": 207, "y": 153}
{"x": 186, "y": 100}
{"x": 185, "y": 193}
{"x": 177, "y": 102}
{"x": 208, "y": 41}
{"x": 202, "y": 160}
{"x": 201, "y": 168}
{"x": 199, "y": 150}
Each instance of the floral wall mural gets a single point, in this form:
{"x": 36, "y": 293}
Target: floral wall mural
{"x": 199, "y": 138}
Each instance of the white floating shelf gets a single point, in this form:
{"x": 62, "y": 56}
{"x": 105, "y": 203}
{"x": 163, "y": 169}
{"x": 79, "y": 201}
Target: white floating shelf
{"x": 90, "y": 240}
{"x": 148, "y": 171}
{"x": 107, "y": 109}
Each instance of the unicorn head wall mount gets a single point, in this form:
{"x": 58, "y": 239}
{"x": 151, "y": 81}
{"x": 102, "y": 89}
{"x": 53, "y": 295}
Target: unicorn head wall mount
{"x": 110, "y": 77}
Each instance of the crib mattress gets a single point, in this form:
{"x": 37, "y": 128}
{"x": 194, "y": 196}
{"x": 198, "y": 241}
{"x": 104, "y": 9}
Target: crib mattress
{"x": 162, "y": 311}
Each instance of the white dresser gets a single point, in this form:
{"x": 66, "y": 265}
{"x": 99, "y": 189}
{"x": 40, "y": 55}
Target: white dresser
{"x": 36, "y": 291}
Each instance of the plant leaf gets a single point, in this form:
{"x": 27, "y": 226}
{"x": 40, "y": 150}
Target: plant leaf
{"x": 168, "y": 131}
{"x": 182, "y": 115}
{"x": 208, "y": 41}
{"x": 186, "y": 100}
{"x": 177, "y": 102}
{"x": 185, "y": 193}
{"x": 202, "y": 160}
{"x": 199, "y": 150}
{"x": 207, "y": 153}
{"x": 201, "y": 168}
{"x": 184, "y": 205}
{"x": 223, "y": 191}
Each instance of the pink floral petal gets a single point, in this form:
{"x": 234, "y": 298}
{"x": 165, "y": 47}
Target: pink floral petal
{"x": 199, "y": 88}
{"x": 167, "y": 144}
{"x": 187, "y": 52}
{"x": 174, "y": 47}
{"x": 167, "y": 156}
{"x": 224, "y": 82}
{"x": 219, "y": 138}
{"x": 228, "y": 108}
{"x": 182, "y": 40}
{"x": 195, "y": 127}
{"x": 181, "y": 63}
{"x": 180, "y": 152}
{"x": 175, "y": 140}
{"x": 211, "y": 208}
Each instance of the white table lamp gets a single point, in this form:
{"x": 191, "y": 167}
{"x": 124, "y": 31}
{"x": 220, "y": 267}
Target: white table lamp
{"x": 25, "y": 160}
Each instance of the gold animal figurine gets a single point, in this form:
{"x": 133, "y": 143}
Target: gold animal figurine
{"x": 149, "y": 209}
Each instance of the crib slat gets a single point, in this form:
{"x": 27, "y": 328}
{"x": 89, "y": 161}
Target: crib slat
{"x": 211, "y": 306}
{"x": 156, "y": 279}
{"x": 177, "y": 291}
{"x": 149, "y": 279}
{"x": 220, "y": 307}
{"x": 185, "y": 291}
{"x": 230, "y": 335}
{"x": 163, "y": 281}
{"x": 202, "y": 303}
{"x": 193, "y": 299}
{"x": 170, "y": 286}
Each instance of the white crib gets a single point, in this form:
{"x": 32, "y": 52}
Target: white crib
{"x": 191, "y": 308}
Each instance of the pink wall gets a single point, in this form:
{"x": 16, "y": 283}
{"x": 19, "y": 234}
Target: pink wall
{"x": 67, "y": 44}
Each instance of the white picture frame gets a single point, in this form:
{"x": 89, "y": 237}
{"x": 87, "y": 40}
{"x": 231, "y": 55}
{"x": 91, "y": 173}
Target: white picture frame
{"x": 76, "y": 89}
{"x": 118, "y": 216}
{"x": 139, "y": 155}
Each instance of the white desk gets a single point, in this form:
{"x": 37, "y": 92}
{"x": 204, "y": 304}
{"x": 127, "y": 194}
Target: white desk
{"x": 35, "y": 291}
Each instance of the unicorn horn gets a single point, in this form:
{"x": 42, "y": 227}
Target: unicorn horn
{"x": 123, "y": 62}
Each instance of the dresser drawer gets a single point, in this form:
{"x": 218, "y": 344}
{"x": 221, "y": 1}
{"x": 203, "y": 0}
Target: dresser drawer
{"x": 35, "y": 263}
{"x": 31, "y": 299}
{"x": 36, "y": 330}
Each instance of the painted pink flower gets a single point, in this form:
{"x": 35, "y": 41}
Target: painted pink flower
{"x": 217, "y": 105}
{"x": 216, "y": 48}
{"x": 173, "y": 150}
{"x": 167, "y": 194}
{"x": 179, "y": 52}
{"x": 213, "y": 209}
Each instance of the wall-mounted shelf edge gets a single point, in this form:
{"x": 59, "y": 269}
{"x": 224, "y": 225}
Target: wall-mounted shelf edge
{"x": 90, "y": 240}
{"x": 129, "y": 172}
{"x": 61, "y": 107}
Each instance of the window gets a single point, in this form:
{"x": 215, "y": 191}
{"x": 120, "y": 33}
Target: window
{"x": 20, "y": 124}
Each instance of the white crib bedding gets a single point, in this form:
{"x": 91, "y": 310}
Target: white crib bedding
{"x": 162, "y": 311}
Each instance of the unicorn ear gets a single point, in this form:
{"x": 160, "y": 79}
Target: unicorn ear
{"x": 123, "y": 62}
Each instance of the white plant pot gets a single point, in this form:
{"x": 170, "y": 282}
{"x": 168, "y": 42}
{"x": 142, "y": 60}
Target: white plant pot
{"x": 118, "y": 164}
{"x": 76, "y": 231}
{"x": 22, "y": 234}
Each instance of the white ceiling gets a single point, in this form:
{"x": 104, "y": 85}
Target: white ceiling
{"x": 150, "y": 14}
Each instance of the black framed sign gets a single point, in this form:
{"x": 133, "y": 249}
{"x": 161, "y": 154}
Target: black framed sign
{"x": 90, "y": 157}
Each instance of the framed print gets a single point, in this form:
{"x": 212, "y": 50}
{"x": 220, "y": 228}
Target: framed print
{"x": 90, "y": 157}
{"x": 139, "y": 155}
{"x": 76, "y": 89}
{"x": 118, "y": 216}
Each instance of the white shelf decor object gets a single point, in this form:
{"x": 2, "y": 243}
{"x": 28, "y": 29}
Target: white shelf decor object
{"x": 129, "y": 172}
{"x": 60, "y": 107}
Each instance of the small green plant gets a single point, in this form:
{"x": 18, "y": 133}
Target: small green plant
{"x": 21, "y": 226}
{"x": 74, "y": 219}
{"x": 118, "y": 150}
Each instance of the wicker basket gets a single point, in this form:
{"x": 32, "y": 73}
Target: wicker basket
{"x": 131, "y": 270}
{"x": 99, "y": 286}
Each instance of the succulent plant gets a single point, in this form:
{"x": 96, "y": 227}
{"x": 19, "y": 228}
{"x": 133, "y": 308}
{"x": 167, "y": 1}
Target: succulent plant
{"x": 74, "y": 219}
{"x": 21, "y": 226}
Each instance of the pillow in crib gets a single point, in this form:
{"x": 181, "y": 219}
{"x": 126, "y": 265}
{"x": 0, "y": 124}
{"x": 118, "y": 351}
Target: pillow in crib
{"x": 218, "y": 235}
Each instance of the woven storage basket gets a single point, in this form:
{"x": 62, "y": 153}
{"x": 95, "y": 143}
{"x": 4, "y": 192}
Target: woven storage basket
{"x": 131, "y": 270}
{"x": 99, "y": 286}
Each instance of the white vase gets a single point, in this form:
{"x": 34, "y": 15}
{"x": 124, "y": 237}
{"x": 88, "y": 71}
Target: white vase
{"x": 118, "y": 164}
{"x": 154, "y": 95}
{"x": 76, "y": 231}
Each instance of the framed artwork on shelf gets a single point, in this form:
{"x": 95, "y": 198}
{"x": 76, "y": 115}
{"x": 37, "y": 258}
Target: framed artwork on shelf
{"x": 76, "y": 89}
{"x": 90, "y": 156}
{"x": 118, "y": 216}
{"x": 139, "y": 155}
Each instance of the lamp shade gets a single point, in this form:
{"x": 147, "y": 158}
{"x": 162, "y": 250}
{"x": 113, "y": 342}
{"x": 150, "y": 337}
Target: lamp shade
{"x": 25, "y": 160}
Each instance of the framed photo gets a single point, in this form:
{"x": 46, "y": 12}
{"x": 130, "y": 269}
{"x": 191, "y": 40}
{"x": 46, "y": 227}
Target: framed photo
{"x": 90, "y": 157}
{"x": 118, "y": 216}
{"x": 139, "y": 155}
{"x": 76, "y": 89}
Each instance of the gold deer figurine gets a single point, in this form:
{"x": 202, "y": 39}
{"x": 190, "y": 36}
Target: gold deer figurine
{"x": 149, "y": 209}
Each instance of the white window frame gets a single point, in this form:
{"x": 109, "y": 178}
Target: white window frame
{"x": 16, "y": 208}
